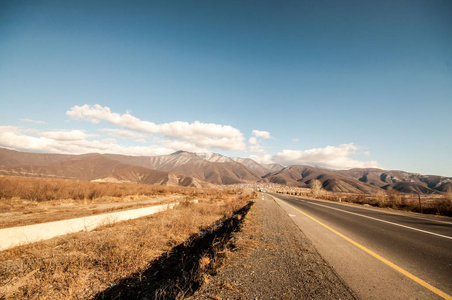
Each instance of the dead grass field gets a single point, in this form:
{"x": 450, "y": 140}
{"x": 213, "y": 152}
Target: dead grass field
{"x": 45, "y": 189}
{"x": 77, "y": 266}
{"x": 26, "y": 200}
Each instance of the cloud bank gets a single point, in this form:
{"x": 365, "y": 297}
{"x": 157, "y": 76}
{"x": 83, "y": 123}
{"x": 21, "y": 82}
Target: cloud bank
{"x": 328, "y": 157}
{"x": 20, "y": 139}
{"x": 262, "y": 134}
{"x": 144, "y": 138}
{"x": 67, "y": 135}
{"x": 196, "y": 134}
{"x": 33, "y": 121}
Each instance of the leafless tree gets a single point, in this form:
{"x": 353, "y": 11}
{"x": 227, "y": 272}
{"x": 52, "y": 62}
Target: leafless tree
{"x": 316, "y": 187}
{"x": 448, "y": 195}
{"x": 381, "y": 196}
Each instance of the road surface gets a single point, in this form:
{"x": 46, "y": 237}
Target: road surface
{"x": 380, "y": 254}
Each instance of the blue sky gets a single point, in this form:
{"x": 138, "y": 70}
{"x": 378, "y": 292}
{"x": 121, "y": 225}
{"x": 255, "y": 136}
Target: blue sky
{"x": 338, "y": 84}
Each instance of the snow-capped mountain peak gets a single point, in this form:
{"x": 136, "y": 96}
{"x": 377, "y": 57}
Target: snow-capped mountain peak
{"x": 213, "y": 157}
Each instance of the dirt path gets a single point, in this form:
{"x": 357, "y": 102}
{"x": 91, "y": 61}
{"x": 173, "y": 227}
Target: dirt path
{"x": 273, "y": 260}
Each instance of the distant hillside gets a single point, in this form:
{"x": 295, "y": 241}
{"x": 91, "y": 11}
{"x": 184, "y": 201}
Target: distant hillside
{"x": 401, "y": 181}
{"x": 360, "y": 180}
{"x": 181, "y": 167}
{"x": 302, "y": 176}
{"x": 259, "y": 169}
{"x": 96, "y": 167}
{"x": 203, "y": 169}
{"x": 10, "y": 158}
{"x": 221, "y": 170}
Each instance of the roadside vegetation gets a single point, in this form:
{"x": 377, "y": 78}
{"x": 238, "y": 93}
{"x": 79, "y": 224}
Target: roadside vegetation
{"x": 28, "y": 200}
{"x": 421, "y": 203}
{"x": 45, "y": 189}
{"x": 81, "y": 265}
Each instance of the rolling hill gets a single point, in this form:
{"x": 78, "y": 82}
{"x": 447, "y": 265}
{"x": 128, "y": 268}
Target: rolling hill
{"x": 219, "y": 170}
{"x": 207, "y": 169}
{"x": 96, "y": 167}
{"x": 302, "y": 176}
{"x": 399, "y": 180}
{"x": 360, "y": 180}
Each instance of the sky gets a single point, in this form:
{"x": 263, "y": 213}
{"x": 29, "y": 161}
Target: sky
{"x": 334, "y": 84}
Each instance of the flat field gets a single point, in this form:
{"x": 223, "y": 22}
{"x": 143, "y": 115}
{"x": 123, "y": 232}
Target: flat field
{"x": 27, "y": 200}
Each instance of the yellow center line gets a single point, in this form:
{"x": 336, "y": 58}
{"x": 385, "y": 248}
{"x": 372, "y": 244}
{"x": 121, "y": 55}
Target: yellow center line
{"x": 387, "y": 262}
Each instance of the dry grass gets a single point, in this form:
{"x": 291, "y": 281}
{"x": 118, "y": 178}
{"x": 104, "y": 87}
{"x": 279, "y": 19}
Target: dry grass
{"x": 25, "y": 200}
{"x": 436, "y": 205}
{"x": 44, "y": 189}
{"x": 79, "y": 265}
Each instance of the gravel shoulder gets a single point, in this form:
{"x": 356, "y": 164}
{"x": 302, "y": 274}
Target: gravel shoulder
{"x": 273, "y": 259}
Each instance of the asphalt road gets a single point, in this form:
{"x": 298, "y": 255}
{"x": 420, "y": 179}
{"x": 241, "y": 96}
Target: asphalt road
{"x": 379, "y": 254}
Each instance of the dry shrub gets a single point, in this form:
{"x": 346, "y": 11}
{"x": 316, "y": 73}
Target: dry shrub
{"x": 45, "y": 189}
{"x": 441, "y": 207}
{"x": 393, "y": 199}
{"x": 32, "y": 191}
{"x": 204, "y": 263}
{"x": 79, "y": 265}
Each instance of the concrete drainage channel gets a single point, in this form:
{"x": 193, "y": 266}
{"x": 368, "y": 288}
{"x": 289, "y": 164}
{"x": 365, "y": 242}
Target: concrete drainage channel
{"x": 11, "y": 237}
{"x": 178, "y": 273}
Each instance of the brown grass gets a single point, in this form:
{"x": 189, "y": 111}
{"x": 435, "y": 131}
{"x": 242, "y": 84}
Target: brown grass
{"x": 44, "y": 189}
{"x": 79, "y": 265}
{"x": 25, "y": 200}
{"x": 436, "y": 205}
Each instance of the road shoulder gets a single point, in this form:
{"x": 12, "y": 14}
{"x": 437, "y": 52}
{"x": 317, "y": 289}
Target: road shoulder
{"x": 273, "y": 259}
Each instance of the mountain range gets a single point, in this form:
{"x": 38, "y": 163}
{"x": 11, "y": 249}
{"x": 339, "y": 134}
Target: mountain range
{"x": 211, "y": 169}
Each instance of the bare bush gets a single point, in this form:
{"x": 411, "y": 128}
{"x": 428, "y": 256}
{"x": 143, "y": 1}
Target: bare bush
{"x": 393, "y": 197}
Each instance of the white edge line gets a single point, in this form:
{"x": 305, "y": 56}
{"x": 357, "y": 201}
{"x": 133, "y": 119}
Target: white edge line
{"x": 392, "y": 223}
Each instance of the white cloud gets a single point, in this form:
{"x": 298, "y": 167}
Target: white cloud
{"x": 257, "y": 144}
{"x": 201, "y": 135}
{"x": 295, "y": 140}
{"x": 17, "y": 138}
{"x": 262, "y": 134}
{"x": 122, "y": 133}
{"x": 67, "y": 135}
{"x": 13, "y": 137}
{"x": 33, "y": 121}
{"x": 257, "y": 149}
{"x": 329, "y": 157}
{"x": 169, "y": 137}
{"x": 262, "y": 158}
